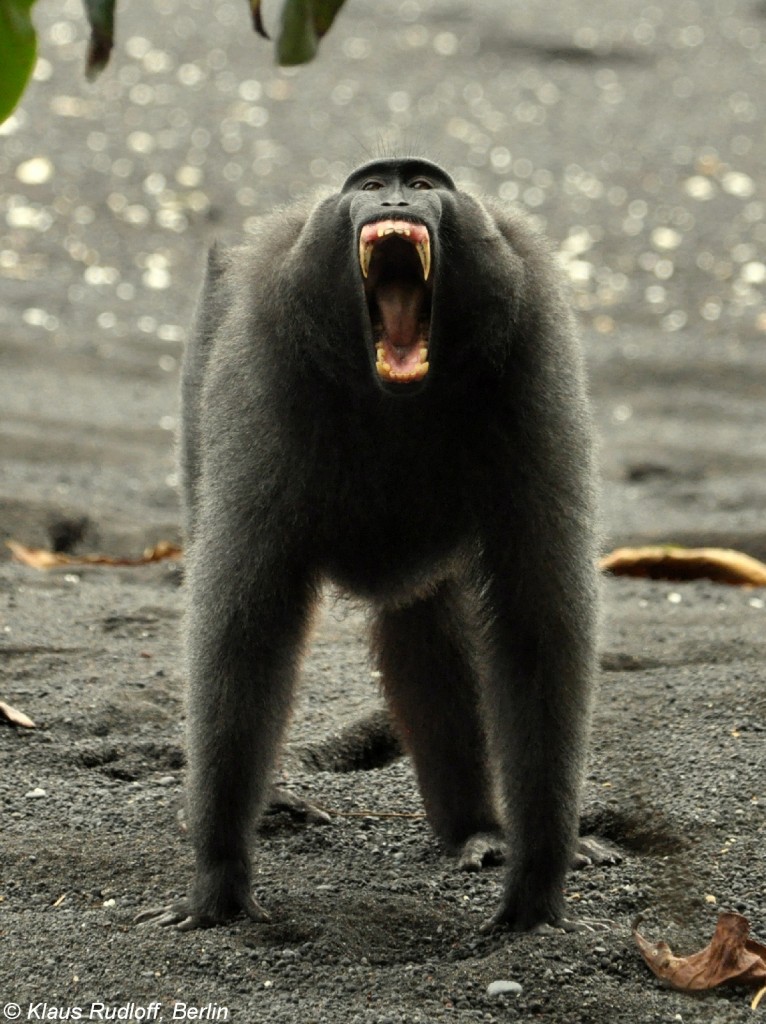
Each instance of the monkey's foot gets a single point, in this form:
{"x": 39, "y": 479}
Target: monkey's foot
{"x": 482, "y": 849}
{"x": 283, "y": 800}
{"x": 589, "y": 851}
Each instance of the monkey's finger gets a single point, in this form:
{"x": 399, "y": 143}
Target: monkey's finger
{"x": 316, "y": 815}
{"x": 186, "y": 921}
{"x": 192, "y": 923}
{"x": 495, "y": 923}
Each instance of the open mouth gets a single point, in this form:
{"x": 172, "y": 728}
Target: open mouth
{"x": 395, "y": 258}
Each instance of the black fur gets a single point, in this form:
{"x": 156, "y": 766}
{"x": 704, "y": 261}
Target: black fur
{"x": 461, "y": 505}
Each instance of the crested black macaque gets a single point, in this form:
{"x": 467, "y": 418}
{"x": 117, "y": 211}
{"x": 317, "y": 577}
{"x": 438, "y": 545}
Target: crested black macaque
{"x": 385, "y": 390}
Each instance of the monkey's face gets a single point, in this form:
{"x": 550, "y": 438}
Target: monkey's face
{"x": 395, "y": 208}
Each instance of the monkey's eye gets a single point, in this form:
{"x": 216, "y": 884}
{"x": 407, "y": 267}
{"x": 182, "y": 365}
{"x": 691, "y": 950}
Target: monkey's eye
{"x": 421, "y": 183}
{"x": 372, "y": 185}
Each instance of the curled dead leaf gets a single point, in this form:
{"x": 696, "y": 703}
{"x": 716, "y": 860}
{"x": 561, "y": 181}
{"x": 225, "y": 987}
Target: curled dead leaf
{"x": 730, "y": 958}
{"x": 722, "y": 565}
{"x": 15, "y": 717}
{"x": 41, "y": 558}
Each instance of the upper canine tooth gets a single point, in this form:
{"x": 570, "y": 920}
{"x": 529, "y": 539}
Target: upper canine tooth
{"x": 424, "y": 252}
{"x": 365, "y": 255}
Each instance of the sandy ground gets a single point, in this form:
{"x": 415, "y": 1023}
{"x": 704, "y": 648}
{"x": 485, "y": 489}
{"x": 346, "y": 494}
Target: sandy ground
{"x": 636, "y": 136}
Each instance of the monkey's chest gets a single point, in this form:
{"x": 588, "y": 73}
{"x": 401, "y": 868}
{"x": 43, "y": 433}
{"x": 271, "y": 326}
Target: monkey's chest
{"x": 391, "y": 534}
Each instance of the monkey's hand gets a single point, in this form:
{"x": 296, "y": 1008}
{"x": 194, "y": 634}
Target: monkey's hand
{"x": 185, "y": 918}
{"x": 482, "y": 849}
{"x": 219, "y": 894}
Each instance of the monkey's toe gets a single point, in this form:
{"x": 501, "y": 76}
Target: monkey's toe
{"x": 482, "y": 849}
{"x": 590, "y": 851}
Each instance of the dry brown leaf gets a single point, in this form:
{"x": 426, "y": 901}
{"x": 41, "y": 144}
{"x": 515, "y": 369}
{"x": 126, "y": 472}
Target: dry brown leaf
{"x": 722, "y": 565}
{"x": 41, "y": 558}
{"x": 15, "y": 717}
{"x": 731, "y": 957}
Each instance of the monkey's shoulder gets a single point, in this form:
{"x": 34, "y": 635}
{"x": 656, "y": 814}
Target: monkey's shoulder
{"x": 270, "y": 237}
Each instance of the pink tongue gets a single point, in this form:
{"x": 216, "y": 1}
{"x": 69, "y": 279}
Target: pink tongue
{"x": 399, "y": 306}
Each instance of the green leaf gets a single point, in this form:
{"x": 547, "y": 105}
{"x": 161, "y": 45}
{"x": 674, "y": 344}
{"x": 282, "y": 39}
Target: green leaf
{"x": 324, "y": 14}
{"x": 304, "y": 22}
{"x": 298, "y": 41}
{"x": 101, "y": 17}
{"x": 18, "y": 51}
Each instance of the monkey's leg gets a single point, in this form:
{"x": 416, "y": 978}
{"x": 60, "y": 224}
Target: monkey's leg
{"x": 245, "y": 627}
{"x": 429, "y": 680}
{"x": 537, "y": 706}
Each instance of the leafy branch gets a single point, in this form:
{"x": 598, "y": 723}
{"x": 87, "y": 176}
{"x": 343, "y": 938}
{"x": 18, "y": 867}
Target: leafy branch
{"x": 303, "y": 24}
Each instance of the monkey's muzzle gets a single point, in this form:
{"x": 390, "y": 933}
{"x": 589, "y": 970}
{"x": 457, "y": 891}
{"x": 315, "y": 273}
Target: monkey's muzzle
{"x": 395, "y": 259}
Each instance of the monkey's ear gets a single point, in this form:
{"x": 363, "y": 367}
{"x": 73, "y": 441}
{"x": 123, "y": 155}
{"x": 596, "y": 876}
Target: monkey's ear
{"x": 215, "y": 262}
{"x": 218, "y": 262}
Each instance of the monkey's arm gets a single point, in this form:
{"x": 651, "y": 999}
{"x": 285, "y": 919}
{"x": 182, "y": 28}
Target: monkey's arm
{"x": 245, "y": 626}
{"x": 247, "y": 616}
{"x": 249, "y": 593}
